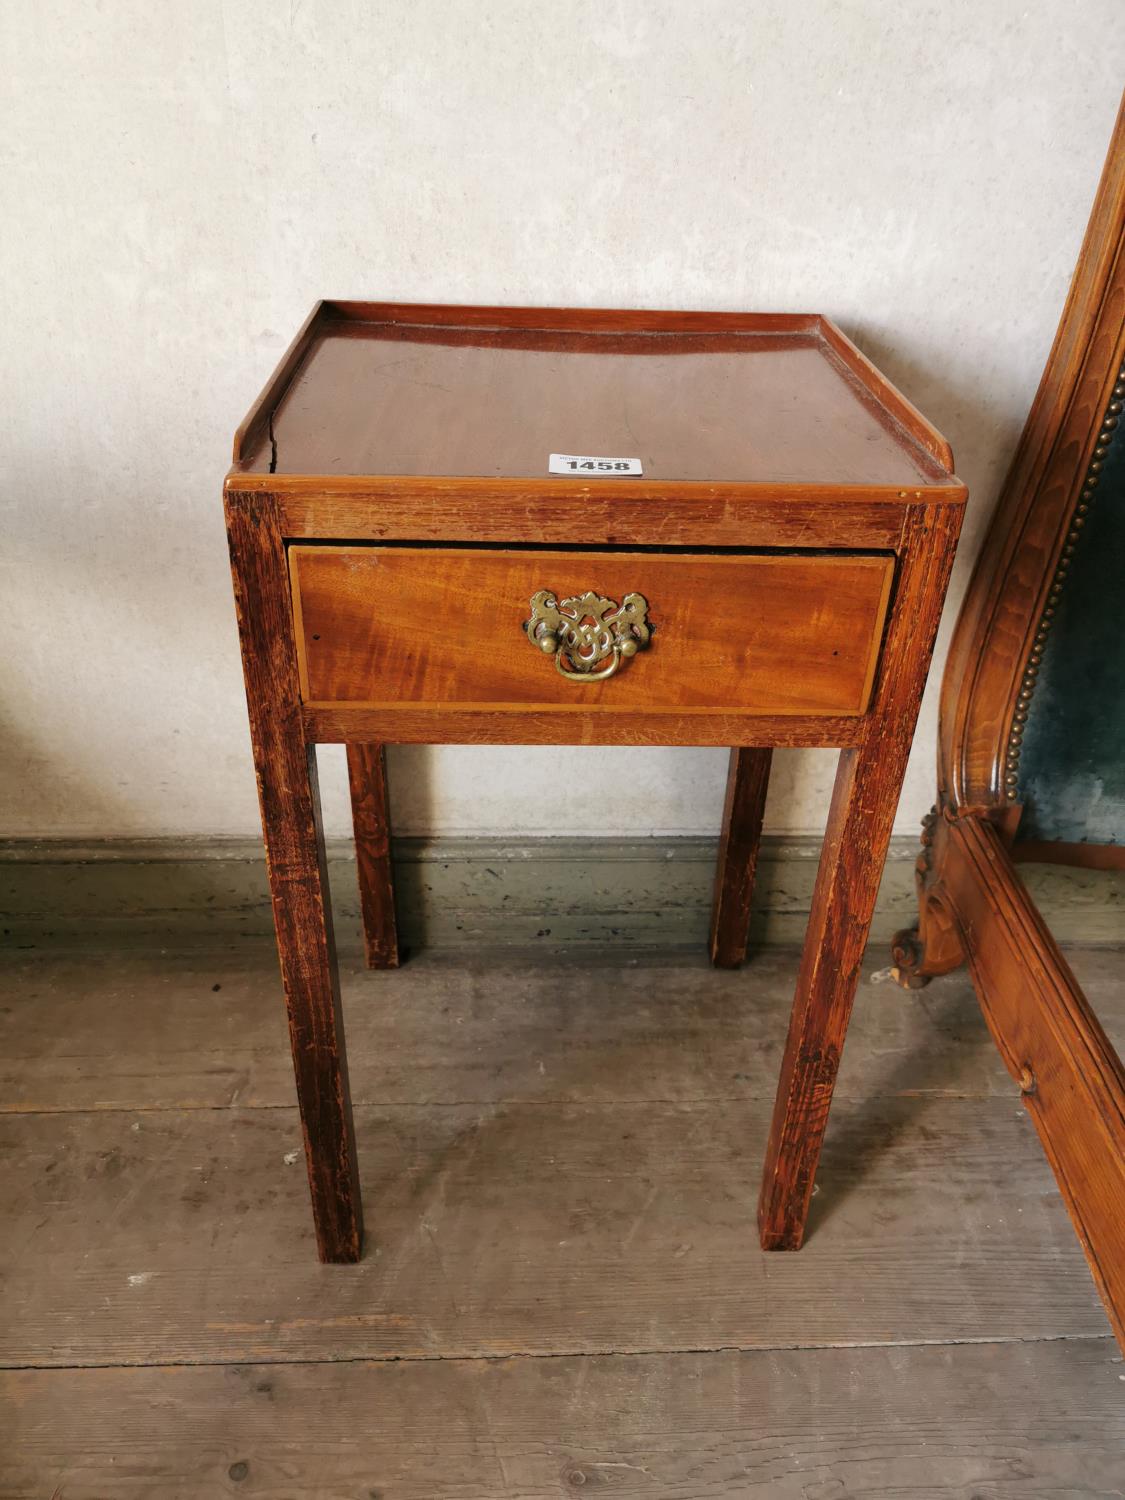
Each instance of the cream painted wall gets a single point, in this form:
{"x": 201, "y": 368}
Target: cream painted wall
{"x": 181, "y": 182}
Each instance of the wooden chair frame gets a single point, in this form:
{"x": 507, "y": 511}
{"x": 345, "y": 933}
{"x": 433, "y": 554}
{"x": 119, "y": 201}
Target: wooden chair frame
{"x": 973, "y": 906}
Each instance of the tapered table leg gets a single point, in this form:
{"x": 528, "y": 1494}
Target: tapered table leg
{"x": 367, "y": 778}
{"x": 847, "y": 884}
{"x": 747, "y": 782}
{"x": 290, "y": 804}
{"x": 864, "y": 801}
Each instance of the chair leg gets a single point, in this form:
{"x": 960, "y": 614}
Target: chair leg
{"x": 933, "y": 946}
{"x": 747, "y": 783}
{"x": 371, "y": 818}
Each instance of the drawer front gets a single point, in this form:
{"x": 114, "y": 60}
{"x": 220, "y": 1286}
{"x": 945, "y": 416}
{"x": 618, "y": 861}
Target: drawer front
{"x": 757, "y": 633}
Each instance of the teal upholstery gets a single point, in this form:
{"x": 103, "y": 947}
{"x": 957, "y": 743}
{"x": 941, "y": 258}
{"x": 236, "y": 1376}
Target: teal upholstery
{"x": 1072, "y": 765}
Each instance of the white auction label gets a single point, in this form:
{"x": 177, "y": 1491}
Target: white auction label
{"x": 583, "y": 464}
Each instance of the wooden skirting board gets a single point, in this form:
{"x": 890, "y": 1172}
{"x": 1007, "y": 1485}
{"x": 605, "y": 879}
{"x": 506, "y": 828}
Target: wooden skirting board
{"x": 456, "y": 891}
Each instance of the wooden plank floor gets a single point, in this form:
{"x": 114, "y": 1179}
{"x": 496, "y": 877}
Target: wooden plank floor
{"x": 562, "y": 1287}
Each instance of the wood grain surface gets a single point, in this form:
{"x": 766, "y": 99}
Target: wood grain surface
{"x": 199, "y": 1028}
{"x": 285, "y": 763}
{"x": 864, "y": 800}
{"x": 565, "y": 1151}
{"x": 767, "y": 634}
{"x": 564, "y": 1154}
{"x": 371, "y": 820}
{"x": 536, "y": 1227}
{"x": 973, "y": 906}
{"x": 602, "y": 724}
{"x": 912, "y": 1423}
{"x": 744, "y": 807}
{"x": 1071, "y": 1079}
{"x": 581, "y": 514}
{"x": 697, "y": 397}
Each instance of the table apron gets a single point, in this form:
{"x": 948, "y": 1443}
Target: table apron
{"x": 512, "y": 514}
{"x": 456, "y": 724}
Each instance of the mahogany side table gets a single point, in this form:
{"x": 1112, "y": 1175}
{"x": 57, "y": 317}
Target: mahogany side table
{"x": 555, "y": 526}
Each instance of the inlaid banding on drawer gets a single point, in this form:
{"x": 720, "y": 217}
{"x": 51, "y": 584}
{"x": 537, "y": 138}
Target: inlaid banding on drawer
{"x": 762, "y": 633}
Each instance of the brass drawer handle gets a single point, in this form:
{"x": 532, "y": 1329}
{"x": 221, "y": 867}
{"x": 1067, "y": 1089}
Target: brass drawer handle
{"x": 588, "y": 635}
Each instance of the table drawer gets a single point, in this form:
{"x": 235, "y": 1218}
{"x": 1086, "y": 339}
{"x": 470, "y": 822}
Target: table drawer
{"x": 766, "y": 633}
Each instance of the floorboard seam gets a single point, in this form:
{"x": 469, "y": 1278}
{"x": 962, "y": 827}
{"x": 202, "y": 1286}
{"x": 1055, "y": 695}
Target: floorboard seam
{"x": 505, "y": 1100}
{"x": 422, "y": 1359}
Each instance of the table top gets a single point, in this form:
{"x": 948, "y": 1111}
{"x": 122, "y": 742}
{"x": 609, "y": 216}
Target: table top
{"x": 384, "y": 389}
